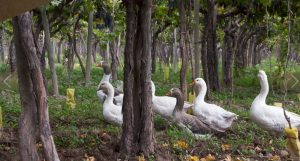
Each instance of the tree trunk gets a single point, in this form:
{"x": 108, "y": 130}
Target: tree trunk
{"x": 212, "y": 56}
{"x": 49, "y": 46}
{"x": 196, "y": 39}
{"x": 59, "y": 51}
{"x": 137, "y": 136}
{"x": 153, "y": 54}
{"x": 183, "y": 48}
{"x": 12, "y": 56}
{"x": 175, "y": 57}
{"x": 89, "y": 49}
{"x": 114, "y": 59}
{"x": 228, "y": 52}
{"x": 75, "y": 47}
{"x": 32, "y": 93}
{"x": 204, "y": 55}
{"x": 2, "y": 57}
{"x": 70, "y": 55}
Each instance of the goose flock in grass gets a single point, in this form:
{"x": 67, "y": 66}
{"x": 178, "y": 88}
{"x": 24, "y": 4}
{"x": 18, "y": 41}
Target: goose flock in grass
{"x": 207, "y": 118}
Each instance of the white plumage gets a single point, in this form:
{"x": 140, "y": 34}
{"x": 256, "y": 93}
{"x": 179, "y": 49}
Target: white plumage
{"x": 164, "y": 105}
{"x": 112, "y": 113}
{"x": 268, "y": 117}
{"x": 215, "y": 116}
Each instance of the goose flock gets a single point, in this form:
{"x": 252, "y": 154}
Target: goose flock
{"x": 207, "y": 118}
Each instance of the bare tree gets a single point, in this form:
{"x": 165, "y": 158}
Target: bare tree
{"x": 137, "y": 126}
{"x": 32, "y": 94}
{"x": 183, "y": 48}
{"x": 50, "y": 50}
{"x": 89, "y": 49}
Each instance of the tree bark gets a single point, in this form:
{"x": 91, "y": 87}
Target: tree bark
{"x": 59, "y": 51}
{"x": 114, "y": 59}
{"x": 196, "y": 39}
{"x": 175, "y": 57}
{"x": 89, "y": 49}
{"x": 183, "y": 48}
{"x": 2, "y": 56}
{"x": 137, "y": 136}
{"x": 212, "y": 56}
{"x": 75, "y": 47}
{"x": 49, "y": 46}
{"x": 32, "y": 94}
{"x": 204, "y": 55}
{"x": 12, "y": 56}
{"x": 228, "y": 52}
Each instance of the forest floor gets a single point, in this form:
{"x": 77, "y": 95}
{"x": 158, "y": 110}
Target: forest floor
{"x": 82, "y": 133}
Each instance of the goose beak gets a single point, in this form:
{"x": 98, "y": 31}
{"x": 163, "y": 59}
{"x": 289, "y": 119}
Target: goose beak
{"x": 193, "y": 83}
{"x": 168, "y": 94}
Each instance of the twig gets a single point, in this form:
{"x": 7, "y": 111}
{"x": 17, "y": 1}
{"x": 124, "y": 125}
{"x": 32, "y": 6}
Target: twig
{"x": 286, "y": 65}
{"x": 4, "y": 81}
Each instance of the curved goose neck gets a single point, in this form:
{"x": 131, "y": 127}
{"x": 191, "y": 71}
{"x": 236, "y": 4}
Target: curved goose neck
{"x": 202, "y": 92}
{"x": 110, "y": 94}
{"x": 264, "y": 90}
{"x": 179, "y": 102}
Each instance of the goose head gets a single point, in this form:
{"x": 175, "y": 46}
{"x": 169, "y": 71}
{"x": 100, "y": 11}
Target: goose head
{"x": 262, "y": 75}
{"x": 175, "y": 92}
{"x": 200, "y": 88}
{"x": 107, "y": 88}
{"x": 105, "y": 67}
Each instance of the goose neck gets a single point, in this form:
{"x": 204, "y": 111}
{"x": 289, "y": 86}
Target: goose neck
{"x": 264, "y": 90}
{"x": 179, "y": 103}
{"x": 110, "y": 94}
{"x": 202, "y": 93}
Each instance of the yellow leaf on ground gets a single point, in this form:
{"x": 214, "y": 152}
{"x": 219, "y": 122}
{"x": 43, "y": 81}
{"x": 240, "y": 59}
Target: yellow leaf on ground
{"x": 274, "y": 158}
{"x": 225, "y": 147}
{"x": 193, "y": 158}
{"x": 141, "y": 158}
{"x": 182, "y": 144}
{"x": 165, "y": 144}
{"x": 209, "y": 157}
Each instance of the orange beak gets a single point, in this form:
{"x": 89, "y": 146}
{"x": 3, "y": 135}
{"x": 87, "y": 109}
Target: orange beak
{"x": 99, "y": 65}
{"x": 193, "y": 83}
{"x": 168, "y": 94}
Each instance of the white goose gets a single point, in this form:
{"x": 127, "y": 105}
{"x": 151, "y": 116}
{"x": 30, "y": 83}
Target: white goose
{"x": 189, "y": 122}
{"x": 112, "y": 113}
{"x": 118, "y": 97}
{"x": 268, "y": 117}
{"x": 215, "y": 116}
{"x": 164, "y": 105}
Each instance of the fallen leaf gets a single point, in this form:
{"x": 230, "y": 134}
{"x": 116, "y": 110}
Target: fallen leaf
{"x": 165, "y": 145}
{"x": 274, "y": 158}
{"x": 225, "y": 147}
{"x": 193, "y": 158}
{"x": 141, "y": 158}
{"x": 209, "y": 157}
{"x": 228, "y": 158}
{"x": 181, "y": 144}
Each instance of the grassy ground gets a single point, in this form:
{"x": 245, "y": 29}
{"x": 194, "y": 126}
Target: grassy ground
{"x": 82, "y": 132}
